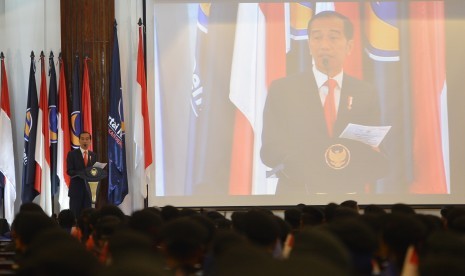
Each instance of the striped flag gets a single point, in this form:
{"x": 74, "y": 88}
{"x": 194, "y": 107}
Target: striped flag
{"x": 117, "y": 174}
{"x": 7, "y": 158}
{"x": 28, "y": 191}
{"x": 142, "y": 138}
{"x": 42, "y": 153}
{"x": 64, "y": 140}
{"x": 86, "y": 104}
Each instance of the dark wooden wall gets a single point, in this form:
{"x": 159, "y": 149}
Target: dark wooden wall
{"x": 87, "y": 30}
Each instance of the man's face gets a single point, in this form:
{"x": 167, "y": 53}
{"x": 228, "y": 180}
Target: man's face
{"x": 329, "y": 45}
{"x": 84, "y": 140}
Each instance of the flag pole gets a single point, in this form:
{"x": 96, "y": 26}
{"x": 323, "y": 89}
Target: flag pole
{"x": 2, "y": 57}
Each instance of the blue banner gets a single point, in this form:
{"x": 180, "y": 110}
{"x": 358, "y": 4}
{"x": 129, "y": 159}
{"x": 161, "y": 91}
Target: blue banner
{"x": 117, "y": 179}
{"x": 53, "y": 125}
{"x": 30, "y": 130}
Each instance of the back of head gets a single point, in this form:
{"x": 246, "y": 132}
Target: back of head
{"x": 312, "y": 216}
{"x": 401, "y": 208}
{"x": 66, "y": 219}
{"x": 293, "y": 217}
{"x": 169, "y": 213}
{"x": 350, "y": 204}
{"x": 313, "y": 242}
{"x": 147, "y": 222}
{"x": 27, "y": 225}
{"x": 31, "y": 207}
{"x": 261, "y": 228}
{"x": 373, "y": 209}
{"x": 55, "y": 252}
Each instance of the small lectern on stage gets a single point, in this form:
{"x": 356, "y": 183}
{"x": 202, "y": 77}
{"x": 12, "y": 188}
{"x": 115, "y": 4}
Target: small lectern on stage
{"x": 92, "y": 177}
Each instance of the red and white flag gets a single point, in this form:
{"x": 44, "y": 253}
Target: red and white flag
{"x": 42, "y": 154}
{"x": 86, "y": 105}
{"x": 64, "y": 142}
{"x": 7, "y": 158}
{"x": 259, "y": 58}
{"x": 142, "y": 138}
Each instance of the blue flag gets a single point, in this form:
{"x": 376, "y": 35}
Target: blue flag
{"x": 209, "y": 151}
{"x": 53, "y": 124}
{"x": 30, "y": 131}
{"x": 76, "y": 121}
{"x": 118, "y": 178}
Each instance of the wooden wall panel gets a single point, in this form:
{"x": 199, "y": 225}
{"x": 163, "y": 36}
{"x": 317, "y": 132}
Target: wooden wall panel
{"x": 87, "y": 30}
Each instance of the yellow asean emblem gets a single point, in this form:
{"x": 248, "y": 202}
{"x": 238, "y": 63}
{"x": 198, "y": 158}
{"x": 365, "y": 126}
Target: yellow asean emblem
{"x": 337, "y": 156}
{"x": 94, "y": 172}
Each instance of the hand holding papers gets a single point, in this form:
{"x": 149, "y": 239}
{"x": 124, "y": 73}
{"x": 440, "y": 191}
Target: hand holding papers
{"x": 99, "y": 165}
{"x": 370, "y": 135}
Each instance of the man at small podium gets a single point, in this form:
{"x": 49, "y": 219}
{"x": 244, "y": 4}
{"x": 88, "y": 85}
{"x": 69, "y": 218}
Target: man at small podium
{"x": 77, "y": 161}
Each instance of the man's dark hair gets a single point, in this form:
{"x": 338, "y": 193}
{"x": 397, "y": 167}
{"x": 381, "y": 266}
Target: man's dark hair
{"x": 348, "y": 26}
{"x": 84, "y": 132}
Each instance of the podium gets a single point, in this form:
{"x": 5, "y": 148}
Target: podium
{"x": 92, "y": 177}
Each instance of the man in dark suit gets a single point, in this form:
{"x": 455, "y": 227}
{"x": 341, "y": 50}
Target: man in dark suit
{"x": 77, "y": 161}
{"x": 305, "y": 113}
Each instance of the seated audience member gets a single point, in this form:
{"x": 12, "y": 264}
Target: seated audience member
{"x": 55, "y": 252}
{"x": 128, "y": 242}
{"x": 169, "y": 213}
{"x": 5, "y": 234}
{"x": 293, "y": 216}
{"x": 27, "y": 225}
{"x": 31, "y": 207}
{"x": 66, "y": 220}
{"x": 401, "y": 208}
{"x": 373, "y": 209}
{"x": 244, "y": 259}
{"x": 329, "y": 211}
{"x": 183, "y": 245}
{"x": 360, "y": 240}
{"x": 442, "y": 254}
{"x": 399, "y": 232}
{"x": 350, "y": 204}
{"x": 261, "y": 229}
{"x": 148, "y": 223}
{"x": 313, "y": 243}
{"x": 312, "y": 216}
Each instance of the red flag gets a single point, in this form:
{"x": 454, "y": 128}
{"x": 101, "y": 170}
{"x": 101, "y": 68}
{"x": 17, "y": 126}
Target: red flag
{"x": 142, "y": 137}
{"x": 7, "y": 164}
{"x": 86, "y": 105}
{"x": 42, "y": 154}
{"x": 64, "y": 144}
{"x": 428, "y": 81}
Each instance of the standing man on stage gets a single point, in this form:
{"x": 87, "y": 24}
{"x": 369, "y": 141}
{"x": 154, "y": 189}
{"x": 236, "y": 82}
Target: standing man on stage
{"x": 77, "y": 161}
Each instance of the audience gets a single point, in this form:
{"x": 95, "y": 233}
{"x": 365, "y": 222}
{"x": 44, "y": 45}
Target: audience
{"x": 307, "y": 240}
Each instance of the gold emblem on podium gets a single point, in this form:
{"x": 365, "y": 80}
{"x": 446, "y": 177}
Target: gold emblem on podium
{"x": 94, "y": 172}
{"x": 337, "y": 156}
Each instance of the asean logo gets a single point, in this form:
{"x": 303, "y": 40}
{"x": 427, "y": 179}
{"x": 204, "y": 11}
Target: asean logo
{"x": 28, "y": 125}
{"x": 337, "y": 156}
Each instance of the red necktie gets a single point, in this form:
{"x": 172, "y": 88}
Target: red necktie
{"x": 330, "y": 106}
{"x": 85, "y": 158}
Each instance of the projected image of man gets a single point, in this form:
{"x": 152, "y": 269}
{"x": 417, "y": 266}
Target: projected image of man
{"x": 305, "y": 113}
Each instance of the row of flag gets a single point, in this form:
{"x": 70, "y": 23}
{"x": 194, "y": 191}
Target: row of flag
{"x": 51, "y": 131}
{"x": 235, "y": 63}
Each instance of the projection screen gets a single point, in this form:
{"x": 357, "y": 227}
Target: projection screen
{"x": 216, "y": 63}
